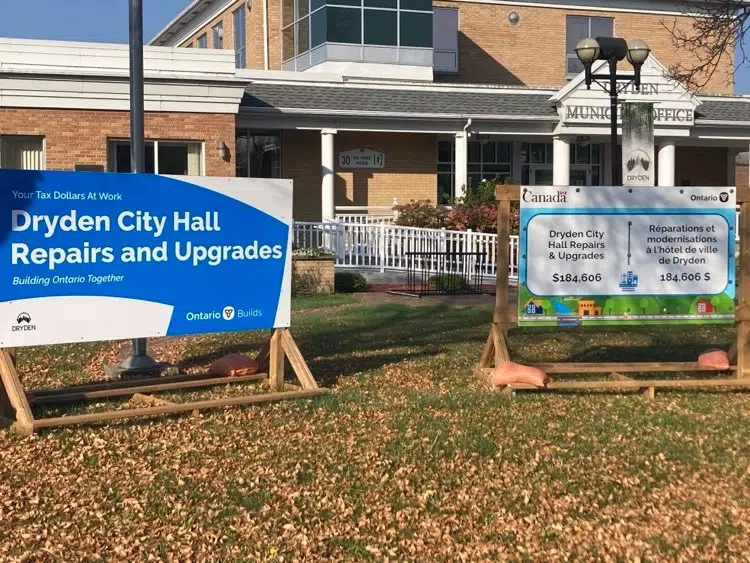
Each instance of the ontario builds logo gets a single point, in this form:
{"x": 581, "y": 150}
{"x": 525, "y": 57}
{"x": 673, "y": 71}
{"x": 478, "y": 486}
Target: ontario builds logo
{"x": 560, "y": 197}
{"x": 23, "y": 323}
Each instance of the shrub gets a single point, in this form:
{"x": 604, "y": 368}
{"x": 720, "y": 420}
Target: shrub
{"x": 306, "y": 283}
{"x": 447, "y": 282}
{"x": 311, "y": 253}
{"x": 349, "y": 282}
{"x": 422, "y": 214}
{"x": 477, "y": 210}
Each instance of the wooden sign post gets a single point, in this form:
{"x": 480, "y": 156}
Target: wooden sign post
{"x": 496, "y": 351}
{"x": 16, "y": 404}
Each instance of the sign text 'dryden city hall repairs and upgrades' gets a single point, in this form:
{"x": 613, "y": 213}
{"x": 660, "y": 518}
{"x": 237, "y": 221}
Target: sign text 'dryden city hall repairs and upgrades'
{"x": 619, "y": 255}
{"x": 91, "y": 256}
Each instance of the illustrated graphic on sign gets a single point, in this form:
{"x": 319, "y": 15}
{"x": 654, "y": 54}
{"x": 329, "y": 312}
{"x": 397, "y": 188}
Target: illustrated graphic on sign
{"x": 614, "y": 255}
{"x": 90, "y": 256}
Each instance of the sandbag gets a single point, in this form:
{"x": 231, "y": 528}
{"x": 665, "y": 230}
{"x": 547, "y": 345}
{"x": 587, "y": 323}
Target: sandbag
{"x": 234, "y": 365}
{"x": 714, "y": 358}
{"x": 510, "y": 373}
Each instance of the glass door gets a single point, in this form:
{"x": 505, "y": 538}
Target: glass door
{"x": 579, "y": 177}
{"x": 541, "y": 175}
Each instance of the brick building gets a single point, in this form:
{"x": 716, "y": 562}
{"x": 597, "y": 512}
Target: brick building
{"x": 364, "y": 101}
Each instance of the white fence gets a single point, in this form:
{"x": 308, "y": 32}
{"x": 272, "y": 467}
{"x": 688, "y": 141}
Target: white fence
{"x": 367, "y": 215}
{"x": 384, "y": 247}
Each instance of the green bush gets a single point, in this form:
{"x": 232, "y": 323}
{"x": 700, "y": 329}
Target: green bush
{"x": 305, "y": 283}
{"x": 447, "y": 282}
{"x": 423, "y": 214}
{"x": 349, "y": 282}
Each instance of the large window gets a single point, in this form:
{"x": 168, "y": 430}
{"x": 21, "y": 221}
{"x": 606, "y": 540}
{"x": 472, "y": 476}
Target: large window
{"x": 306, "y": 24}
{"x": 162, "y": 157}
{"x": 585, "y": 164}
{"x": 487, "y": 160}
{"x": 258, "y": 154}
{"x": 581, "y": 27}
{"x": 238, "y": 31}
{"x": 217, "y": 32}
{"x": 22, "y": 153}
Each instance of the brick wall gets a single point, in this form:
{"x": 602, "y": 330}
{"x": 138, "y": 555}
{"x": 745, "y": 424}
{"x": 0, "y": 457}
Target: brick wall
{"x": 410, "y": 169}
{"x": 80, "y": 137}
{"x": 701, "y": 166}
{"x": 741, "y": 176}
{"x": 253, "y": 33}
{"x": 320, "y": 271}
{"x": 533, "y": 52}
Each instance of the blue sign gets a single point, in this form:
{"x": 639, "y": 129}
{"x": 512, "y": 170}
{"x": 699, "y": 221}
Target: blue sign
{"x": 91, "y": 256}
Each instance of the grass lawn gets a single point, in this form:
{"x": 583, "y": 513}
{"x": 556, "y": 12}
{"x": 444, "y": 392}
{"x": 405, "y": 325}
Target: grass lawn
{"x": 408, "y": 459}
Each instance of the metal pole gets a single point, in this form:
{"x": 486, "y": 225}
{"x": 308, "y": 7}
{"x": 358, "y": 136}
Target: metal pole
{"x": 140, "y": 359}
{"x": 615, "y": 164}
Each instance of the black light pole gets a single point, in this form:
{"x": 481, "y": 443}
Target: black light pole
{"x": 140, "y": 361}
{"x": 613, "y": 50}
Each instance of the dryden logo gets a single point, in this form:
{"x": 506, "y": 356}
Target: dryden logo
{"x": 723, "y": 197}
{"x": 228, "y": 313}
{"x": 23, "y": 323}
{"x": 559, "y": 197}
{"x": 638, "y": 159}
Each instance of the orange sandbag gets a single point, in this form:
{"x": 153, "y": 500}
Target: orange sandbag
{"x": 714, "y": 358}
{"x": 234, "y": 365}
{"x": 510, "y": 373}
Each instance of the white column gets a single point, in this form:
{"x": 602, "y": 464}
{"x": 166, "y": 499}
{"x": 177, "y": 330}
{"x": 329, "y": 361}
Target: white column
{"x": 327, "y": 163}
{"x": 666, "y": 163}
{"x": 560, "y": 161}
{"x": 461, "y": 174}
{"x": 731, "y": 166}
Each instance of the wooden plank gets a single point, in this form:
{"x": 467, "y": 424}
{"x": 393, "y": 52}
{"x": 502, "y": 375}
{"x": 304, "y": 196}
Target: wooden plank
{"x": 121, "y": 384}
{"x": 503, "y": 255}
{"x": 638, "y": 384}
{"x": 263, "y": 356}
{"x": 500, "y": 344}
{"x": 506, "y": 315}
{"x": 627, "y": 367}
{"x": 743, "y": 194}
{"x": 488, "y": 352}
{"x": 13, "y": 356}
{"x": 133, "y": 389}
{"x": 176, "y": 408}
{"x": 732, "y": 353}
{"x": 297, "y": 361}
{"x": 649, "y": 393}
{"x": 276, "y": 362}
{"x": 16, "y": 394}
{"x": 743, "y": 326}
{"x": 508, "y": 193}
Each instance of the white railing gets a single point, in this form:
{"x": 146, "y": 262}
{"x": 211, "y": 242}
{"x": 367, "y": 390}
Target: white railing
{"x": 384, "y": 247}
{"x": 367, "y": 214}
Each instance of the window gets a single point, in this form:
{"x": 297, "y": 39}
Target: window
{"x": 581, "y": 27}
{"x": 445, "y": 40}
{"x": 585, "y": 164}
{"x": 203, "y": 41}
{"x": 487, "y": 160}
{"x": 217, "y": 32}
{"x": 22, "y": 153}
{"x": 258, "y": 154}
{"x": 306, "y": 24}
{"x": 238, "y": 30}
{"x": 162, "y": 157}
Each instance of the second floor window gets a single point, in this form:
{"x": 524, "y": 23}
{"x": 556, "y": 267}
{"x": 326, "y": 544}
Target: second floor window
{"x": 218, "y": 35}
{"x": 581, "y": 27}
{"x": 238, "y": 22}
{"x": 203, "y": 41}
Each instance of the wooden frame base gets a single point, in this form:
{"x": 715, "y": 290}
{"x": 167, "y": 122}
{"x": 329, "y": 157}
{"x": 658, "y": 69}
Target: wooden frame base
{"x": 495, "y": 350}
{"x": 16, "y": 409}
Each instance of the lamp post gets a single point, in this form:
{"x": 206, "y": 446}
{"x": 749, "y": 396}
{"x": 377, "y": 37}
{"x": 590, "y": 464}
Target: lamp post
{"x": 613, "y": 50}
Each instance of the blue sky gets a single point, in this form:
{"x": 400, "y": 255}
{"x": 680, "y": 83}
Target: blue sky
{"x": 107, "y": 20}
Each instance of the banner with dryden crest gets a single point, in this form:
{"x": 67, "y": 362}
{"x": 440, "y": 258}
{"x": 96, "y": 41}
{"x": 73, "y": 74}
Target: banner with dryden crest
{"x": 638, "y": 164}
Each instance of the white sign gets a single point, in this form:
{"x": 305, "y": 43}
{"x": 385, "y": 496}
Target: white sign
{"x": 361, "y": 158}
{"x": 595, "y": 113}
{"x": 616, "y": 254}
